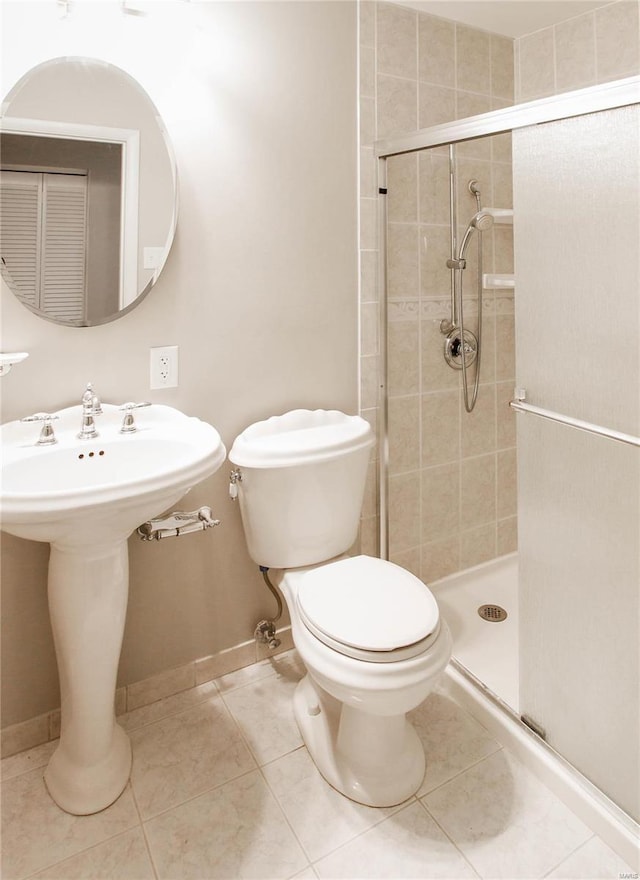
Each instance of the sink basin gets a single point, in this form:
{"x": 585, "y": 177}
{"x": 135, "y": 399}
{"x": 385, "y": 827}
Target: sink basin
{"x": 85, "y": 497}
{"x": 113, "y": 482}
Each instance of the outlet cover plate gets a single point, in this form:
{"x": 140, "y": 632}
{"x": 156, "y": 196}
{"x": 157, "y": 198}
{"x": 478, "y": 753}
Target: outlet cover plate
{"x": 163, "y": 367}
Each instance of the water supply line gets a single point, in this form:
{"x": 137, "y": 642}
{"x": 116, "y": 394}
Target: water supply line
{"x": 265, "y": 631}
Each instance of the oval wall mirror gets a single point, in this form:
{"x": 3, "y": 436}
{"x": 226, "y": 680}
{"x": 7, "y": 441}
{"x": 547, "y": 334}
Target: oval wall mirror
{"x": 88, "y": 193}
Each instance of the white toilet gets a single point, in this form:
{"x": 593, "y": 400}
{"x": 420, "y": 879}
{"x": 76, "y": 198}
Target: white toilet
{"x": 368, "y": 631}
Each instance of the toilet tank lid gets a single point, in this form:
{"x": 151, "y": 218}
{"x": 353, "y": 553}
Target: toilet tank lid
{"x": 301, "y": 436}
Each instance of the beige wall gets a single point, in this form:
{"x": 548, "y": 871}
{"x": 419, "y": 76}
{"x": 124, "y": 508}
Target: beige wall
{"x": 259, "y": 292}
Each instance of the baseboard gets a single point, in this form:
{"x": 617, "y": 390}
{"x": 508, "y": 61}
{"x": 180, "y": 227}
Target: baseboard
{"x": 43, "y": 728}
{"x": 615, "y": 827}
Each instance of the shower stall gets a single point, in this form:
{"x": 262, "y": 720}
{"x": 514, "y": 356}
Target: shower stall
{"x": 509, "y": 415}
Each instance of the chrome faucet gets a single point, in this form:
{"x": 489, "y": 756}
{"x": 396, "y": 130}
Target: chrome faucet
{"x": 90, "y": 408}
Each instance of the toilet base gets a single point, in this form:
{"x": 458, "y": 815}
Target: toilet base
{"x": 376, "y": 760}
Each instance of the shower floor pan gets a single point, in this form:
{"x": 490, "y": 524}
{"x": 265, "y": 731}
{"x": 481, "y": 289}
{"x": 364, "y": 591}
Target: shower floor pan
{"x": 488, "y": 649}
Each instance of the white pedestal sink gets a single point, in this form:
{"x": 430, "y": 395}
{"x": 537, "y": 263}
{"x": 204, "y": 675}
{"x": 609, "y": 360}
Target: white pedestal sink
{"x": 85, "y": 497}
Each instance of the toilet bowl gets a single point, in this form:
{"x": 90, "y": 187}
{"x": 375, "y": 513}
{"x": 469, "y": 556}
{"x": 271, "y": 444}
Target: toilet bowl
{"x": 368, "y": 632}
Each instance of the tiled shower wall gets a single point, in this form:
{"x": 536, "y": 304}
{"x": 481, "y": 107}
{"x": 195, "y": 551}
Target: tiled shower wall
{"x": 419, "y": 70}
{"x": 592, "y": 48}
{"x": 452, "y": 475}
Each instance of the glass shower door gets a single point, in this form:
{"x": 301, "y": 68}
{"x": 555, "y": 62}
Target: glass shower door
{"x": 577, "y": 264}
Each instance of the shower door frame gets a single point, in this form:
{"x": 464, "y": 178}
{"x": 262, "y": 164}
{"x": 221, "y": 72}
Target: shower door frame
{"x": 608, "y": 96}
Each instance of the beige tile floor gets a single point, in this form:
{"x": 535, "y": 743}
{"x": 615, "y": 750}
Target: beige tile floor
{"x": 222, "y": 787}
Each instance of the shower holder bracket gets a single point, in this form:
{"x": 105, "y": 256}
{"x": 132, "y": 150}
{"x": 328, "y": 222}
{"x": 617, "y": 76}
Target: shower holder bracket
{"x": 453, "y": 348}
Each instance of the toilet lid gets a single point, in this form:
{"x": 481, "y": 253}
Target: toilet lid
{"x": 384, "y": 609}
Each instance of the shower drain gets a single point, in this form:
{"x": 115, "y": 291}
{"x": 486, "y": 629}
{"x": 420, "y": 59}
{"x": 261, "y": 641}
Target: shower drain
{"x": 492, "y": 613}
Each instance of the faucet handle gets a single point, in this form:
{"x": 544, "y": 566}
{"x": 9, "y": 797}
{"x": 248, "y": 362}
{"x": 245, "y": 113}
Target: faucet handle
{"x": 47, "y": 437}
{"x": 130, "y": 405}
{"x": 128, "y": 424}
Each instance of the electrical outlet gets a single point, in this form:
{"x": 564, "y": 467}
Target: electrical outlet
{"x": 163, "y": 367}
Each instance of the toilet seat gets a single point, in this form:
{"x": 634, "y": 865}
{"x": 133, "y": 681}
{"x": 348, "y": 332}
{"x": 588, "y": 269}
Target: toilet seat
{"x": 386, "y": 613}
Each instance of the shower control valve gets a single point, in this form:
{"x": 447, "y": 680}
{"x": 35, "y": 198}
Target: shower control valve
{"x": 455, "y": 348}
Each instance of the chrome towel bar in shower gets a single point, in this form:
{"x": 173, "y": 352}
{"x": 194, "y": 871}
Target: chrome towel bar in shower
{"x": 520, "y": 405}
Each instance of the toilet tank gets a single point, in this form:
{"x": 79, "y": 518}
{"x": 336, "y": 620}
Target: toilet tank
{"x": 303, "y": 479}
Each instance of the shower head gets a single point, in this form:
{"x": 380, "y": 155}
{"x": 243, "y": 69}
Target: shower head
{"x": 481, "y": 221}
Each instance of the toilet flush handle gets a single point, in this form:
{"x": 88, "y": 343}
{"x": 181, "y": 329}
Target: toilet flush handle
{"x": 235, "y": 477}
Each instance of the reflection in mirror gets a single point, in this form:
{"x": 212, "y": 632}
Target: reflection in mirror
{"x": 88, "y": 191}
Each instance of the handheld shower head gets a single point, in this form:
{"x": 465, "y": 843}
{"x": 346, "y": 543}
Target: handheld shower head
{"x": 481, "y": 221}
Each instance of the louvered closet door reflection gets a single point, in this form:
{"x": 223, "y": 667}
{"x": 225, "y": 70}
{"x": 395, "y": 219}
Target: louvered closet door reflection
{"x": 20, "y": 230}
{"x": 64, "y": 238}
{"x": 44, "y": 240}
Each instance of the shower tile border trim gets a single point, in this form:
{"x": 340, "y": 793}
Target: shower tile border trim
{"x": 44, "y": 728}
{"x": 412, "y": 308}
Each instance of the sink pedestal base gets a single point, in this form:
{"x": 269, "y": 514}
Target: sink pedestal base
{"x": 88, "y": 588}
